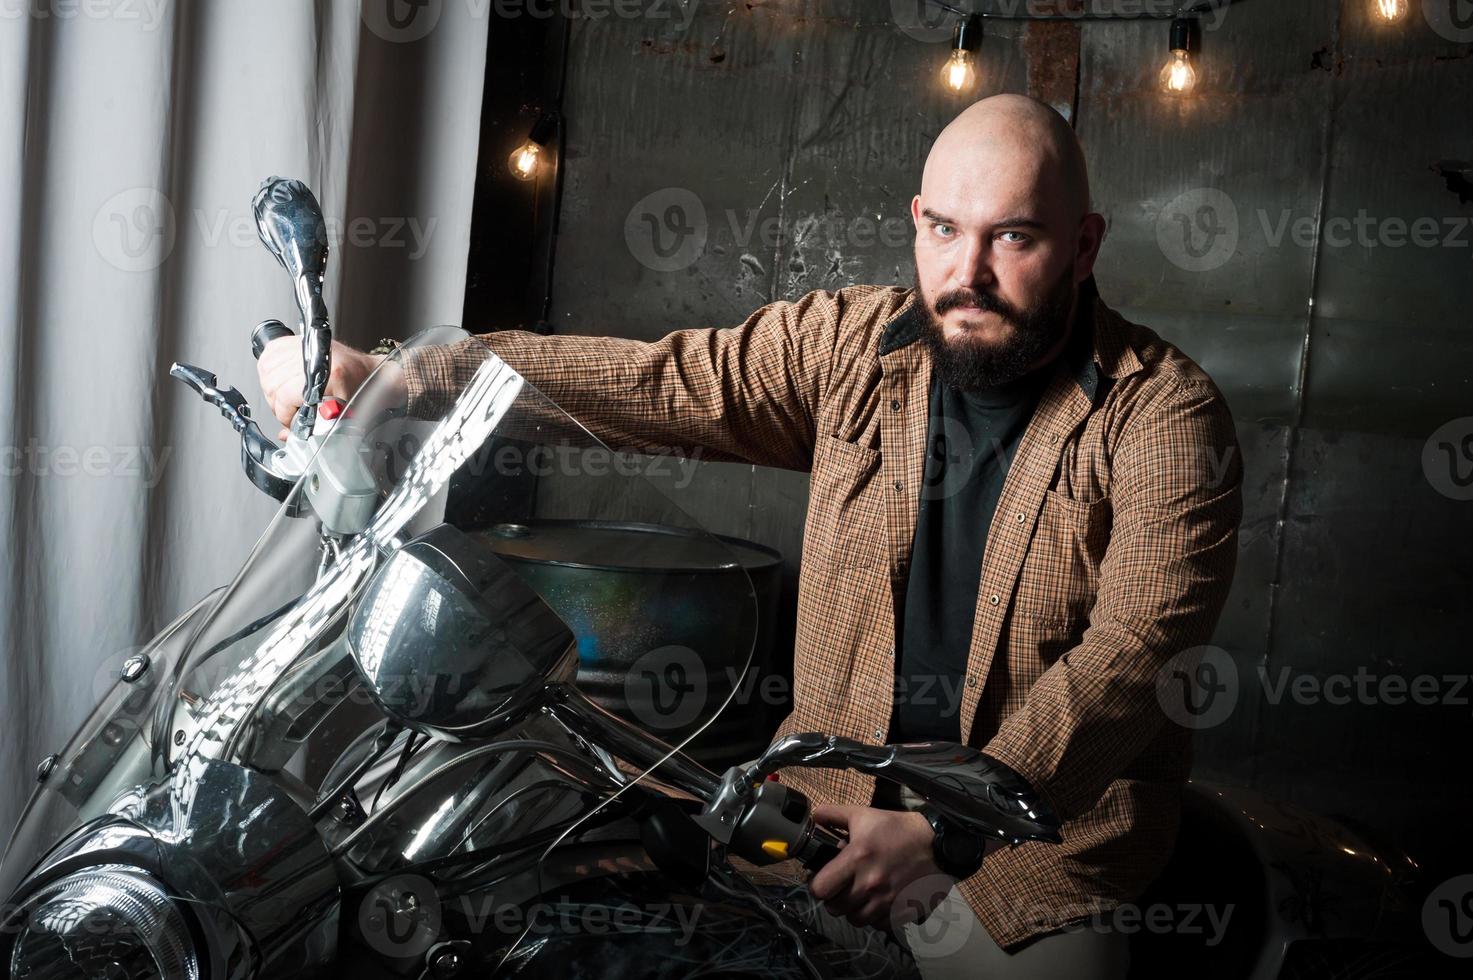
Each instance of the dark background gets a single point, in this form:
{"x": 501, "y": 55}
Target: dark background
{"x": 1344, "y": 355}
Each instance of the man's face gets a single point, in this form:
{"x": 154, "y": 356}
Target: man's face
{"x": 997, "y": 265}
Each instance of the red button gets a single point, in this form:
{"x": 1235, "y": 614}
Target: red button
{"x": 330, "y": 408}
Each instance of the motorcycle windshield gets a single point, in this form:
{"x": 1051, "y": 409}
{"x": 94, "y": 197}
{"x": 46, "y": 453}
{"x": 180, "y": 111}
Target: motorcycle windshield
{"x": 398, "y": 651}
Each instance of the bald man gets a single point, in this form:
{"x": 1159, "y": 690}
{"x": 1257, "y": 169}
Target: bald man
{"x": 1022, "y": 509}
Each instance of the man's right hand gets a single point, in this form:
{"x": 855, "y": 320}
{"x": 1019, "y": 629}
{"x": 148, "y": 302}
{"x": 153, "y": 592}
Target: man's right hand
{"x": 282, "y": 377}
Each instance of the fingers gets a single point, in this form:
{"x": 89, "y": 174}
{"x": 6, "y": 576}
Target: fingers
{"x": 833, "y": 879}
{"x": 280, "y": 372}
{"x": 836, "y": 817}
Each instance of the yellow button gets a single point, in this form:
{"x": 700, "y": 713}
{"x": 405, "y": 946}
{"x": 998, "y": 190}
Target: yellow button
{"x": 776, "y": 848}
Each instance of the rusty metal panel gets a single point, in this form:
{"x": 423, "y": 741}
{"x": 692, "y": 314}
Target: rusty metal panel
{"x": 1376, "y": 581}
{"x": 756, "y": 151}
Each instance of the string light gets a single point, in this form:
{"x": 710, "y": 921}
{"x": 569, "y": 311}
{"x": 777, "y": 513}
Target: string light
{"x": 960, "y": 72}
{"x": 1178, "y": 76}
{"x": 1390, "y": 10}
{"x": 526, "y": 159}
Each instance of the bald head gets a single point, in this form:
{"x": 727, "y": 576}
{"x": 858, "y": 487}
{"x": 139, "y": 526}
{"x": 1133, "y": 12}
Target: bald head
{"x": 1016, "y": 139}
{"x": 1004, "y": 236}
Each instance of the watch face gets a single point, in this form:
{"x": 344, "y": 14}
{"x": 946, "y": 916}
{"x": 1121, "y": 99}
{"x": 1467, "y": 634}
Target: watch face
{"x": 962, "y": 850}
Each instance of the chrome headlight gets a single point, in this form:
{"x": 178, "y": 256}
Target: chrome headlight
{"x": 109, "y": 921}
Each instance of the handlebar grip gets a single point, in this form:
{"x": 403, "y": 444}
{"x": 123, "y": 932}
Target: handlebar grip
{"x": 265, "y": 332}
{"x": 822, "y": 847}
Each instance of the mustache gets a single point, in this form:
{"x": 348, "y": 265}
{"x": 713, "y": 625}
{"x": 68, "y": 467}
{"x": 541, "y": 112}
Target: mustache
{"x": 959, "y": 298}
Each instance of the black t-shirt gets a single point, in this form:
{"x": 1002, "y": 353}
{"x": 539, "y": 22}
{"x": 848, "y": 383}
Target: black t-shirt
{"x": 970, "y": 440}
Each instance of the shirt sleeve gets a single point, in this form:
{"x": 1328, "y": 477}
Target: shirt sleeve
{"x": 1176, "y": 498}
{"x": 749, "y": 393}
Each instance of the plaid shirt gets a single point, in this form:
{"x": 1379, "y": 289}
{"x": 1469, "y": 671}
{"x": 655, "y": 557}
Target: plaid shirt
{"x": 1111, "y": 550}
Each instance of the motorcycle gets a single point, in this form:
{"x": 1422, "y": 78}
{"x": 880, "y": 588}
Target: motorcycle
{"x": 370, "y": 752}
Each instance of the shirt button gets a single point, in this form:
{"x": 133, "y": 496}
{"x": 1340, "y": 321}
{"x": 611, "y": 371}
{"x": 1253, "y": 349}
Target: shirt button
{"x": 1054, "y": 438}
{"x": 971, "y": 680}
{"x": 895, "y": 404}
{"x": 994, "y": 598}
{"x": 1020, "y": 517}
{"x": 899, "y": 486}
{"x": 879, "y": 735}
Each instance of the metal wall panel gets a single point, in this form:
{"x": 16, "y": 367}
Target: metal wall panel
{"x": 1338, "y": 362}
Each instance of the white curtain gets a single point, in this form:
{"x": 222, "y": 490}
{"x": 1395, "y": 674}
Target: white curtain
{"x": 132, "y": 136}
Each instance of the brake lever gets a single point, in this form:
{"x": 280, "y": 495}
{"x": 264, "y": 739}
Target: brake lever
{"x": 260, "y": 454}
{"x": 966, "y": 785}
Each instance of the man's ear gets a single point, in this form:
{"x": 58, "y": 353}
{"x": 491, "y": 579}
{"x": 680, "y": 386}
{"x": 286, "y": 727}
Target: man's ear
{"x": 1091, "y": 235}
{"x": 915, "y": 212}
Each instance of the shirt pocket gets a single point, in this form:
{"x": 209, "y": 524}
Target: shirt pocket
{"x": 1060, "y": 574}
{"x": 846, "y": 523}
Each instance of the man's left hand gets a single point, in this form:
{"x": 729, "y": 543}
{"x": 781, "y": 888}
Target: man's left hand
{"x": 886, "y": 852}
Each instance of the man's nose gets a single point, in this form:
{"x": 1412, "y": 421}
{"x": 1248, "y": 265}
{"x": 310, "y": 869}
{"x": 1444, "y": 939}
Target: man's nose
{"x": 974, "y": 265}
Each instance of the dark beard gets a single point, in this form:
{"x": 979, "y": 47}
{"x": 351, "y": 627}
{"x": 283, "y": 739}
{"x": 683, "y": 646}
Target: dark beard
{"x": 968, "y": 365}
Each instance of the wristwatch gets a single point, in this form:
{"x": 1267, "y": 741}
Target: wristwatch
{"x": 957, "y": 853}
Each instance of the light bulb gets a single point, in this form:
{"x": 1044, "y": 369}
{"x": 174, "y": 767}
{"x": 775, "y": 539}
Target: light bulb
{"x": 1179, "y": 77}
{"x": 958, "y": 73}
{"x": 523, "y": 161}
{"x": 1391, "y": 10}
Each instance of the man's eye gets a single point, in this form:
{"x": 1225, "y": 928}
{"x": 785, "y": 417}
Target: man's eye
{"x": 1017, "y": 237}
{"x": 945, "y": 231}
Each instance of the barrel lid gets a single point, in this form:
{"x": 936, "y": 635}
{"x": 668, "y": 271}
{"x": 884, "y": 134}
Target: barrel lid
{"x": 624, "y": 546}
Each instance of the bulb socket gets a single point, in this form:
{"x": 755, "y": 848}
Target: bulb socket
{"x": 967, "y": 35}
{"x": 1186, "y": 34}
{"x": 544, "y": 129}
